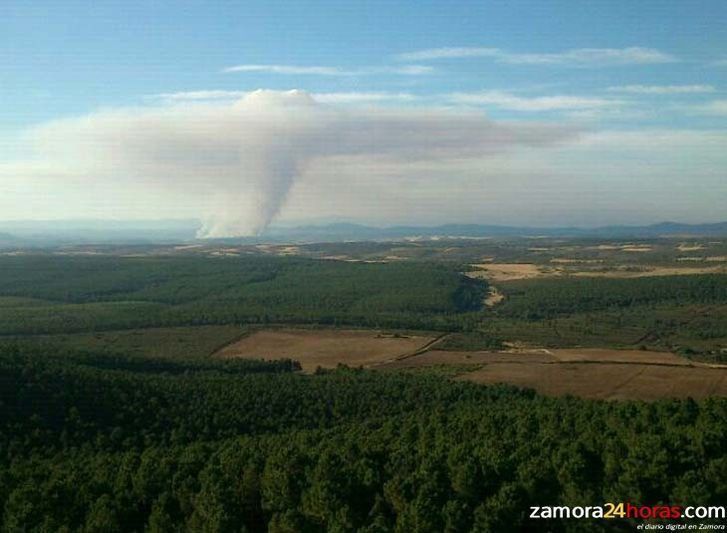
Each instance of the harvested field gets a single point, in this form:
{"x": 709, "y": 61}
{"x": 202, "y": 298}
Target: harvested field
{"x": 514, "y": 271}
{"x": 608, "y": 381}
{"x": 567, "y": 260}
{"x": 626, "y": 247}
{"x": 325, "y": 348}
{"x": 572, "y": 355}
{"x": 690, "y": 247}
{"x": 509, "y": 271}
{"x": 637, "y": 248}
{"x": 289, "y": 250}
{"x": 534, "y": 355}
{"x": 651, "y": 271}
{"x": 442, "y": 357}
{"x": 589, "y": 373}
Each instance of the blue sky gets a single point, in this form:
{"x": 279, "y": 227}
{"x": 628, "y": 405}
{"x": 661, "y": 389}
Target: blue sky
{"x": 60, "y": 58}
{"x": 605, "y": 66}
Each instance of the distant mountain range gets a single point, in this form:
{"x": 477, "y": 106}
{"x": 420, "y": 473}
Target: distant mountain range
{"x": 53, "y": 233}
{"x": 338, "y": 232}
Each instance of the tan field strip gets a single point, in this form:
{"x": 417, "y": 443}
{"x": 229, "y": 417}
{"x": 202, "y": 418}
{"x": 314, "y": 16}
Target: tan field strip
{"x": 542, "y": 356}
{"x": 509, "y": 271}
{"x": 651, "y": 271}
{"x": 441, "y": 357}
{"x": 497, "y": 272}
{"x": 614, "y": 381}
{"x": 605, "y": 374}
{"x": 325, "y": 348}
{"x": 602, "y": 355}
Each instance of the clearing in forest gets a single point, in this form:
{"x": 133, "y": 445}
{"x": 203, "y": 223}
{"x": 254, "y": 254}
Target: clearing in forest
{"x": 608, "y": 381}
{"x": 650, "y": 271}
{"x": 509, "y": 271}
{"x": 590, "y": 373}
{"x": 325, "y": 347}
{"x": 494, "y": 297}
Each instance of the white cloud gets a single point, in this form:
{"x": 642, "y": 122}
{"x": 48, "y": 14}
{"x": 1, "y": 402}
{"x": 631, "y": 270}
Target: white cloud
{"x": 595, "y": 57}
{"x": 451, "y": 52}
{"x": 406, "y": 70}
{"x": 212, "y": 96}
{"x": 363, "y": 97}
{"x": 236, "y": 162}
{"x": 413, "y": 70}
{"x": 201, "y": 95}
{"x": 662, "y": 89}
{"x": 580, "y": 57}
{"x": 715, "y": 107}
{"x": 513, "y": 102}
{"x": 289, "y": 69}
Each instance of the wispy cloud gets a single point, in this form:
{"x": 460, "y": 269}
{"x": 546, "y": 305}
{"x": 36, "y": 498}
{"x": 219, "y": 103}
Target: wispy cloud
{"x": 579, "y": 57}
{"x": 449, "y": 52}
{"x": 186, "y": 96}
{"x": 595, "y": 57}
{"x": 206, "y": 96}
{"x": 513, "y": 102}
{"x": 498, "y": 99}
{"x": 407, "y": 70}
{"x": 662, "y": 89}
{"x": 363, "y": 97}
{"x": 289, "y": 69}
{"x": 715, "y": 107}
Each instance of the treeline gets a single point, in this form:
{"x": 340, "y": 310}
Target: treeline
{"x": 111, "y": 445}
{"x": 47, "y": 294}
{"x": 548, "y": 298}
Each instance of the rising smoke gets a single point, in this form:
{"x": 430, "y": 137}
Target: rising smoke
{"x": 244, "y": 157}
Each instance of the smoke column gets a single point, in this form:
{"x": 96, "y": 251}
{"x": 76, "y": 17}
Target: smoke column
{"x": 241, "y": 159}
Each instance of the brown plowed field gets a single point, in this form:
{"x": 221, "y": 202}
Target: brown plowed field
{"x": 589, "y": 373}
{"x": 325, "y": 348}
{"x": 608, "y": 381}
{"x": 601, "y": 355}
{"x": 441, "y": 357}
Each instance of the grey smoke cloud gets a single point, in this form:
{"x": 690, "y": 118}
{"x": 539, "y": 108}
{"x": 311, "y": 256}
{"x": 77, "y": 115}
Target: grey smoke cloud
{"x": 243, "y": 158}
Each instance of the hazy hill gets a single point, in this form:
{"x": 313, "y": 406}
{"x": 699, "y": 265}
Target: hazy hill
{"x": 50, "y": 233}
{"x": 333, "y": 232}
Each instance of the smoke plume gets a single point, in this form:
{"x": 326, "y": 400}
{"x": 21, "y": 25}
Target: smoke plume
{"x": 241, "y": 159}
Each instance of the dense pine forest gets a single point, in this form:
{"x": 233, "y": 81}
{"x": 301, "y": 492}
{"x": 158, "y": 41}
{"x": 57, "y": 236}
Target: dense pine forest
{"x": 41, "y": 294}
{"x": 94, "y": 443}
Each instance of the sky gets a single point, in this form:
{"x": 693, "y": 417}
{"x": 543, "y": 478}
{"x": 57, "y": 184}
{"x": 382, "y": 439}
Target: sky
{"x": 244, "y": 114}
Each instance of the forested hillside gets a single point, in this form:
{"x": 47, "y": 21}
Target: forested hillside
{"x": 548, "y": 298}
{"x": 116, "y": 444}
{"x": 42, "y": 294}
